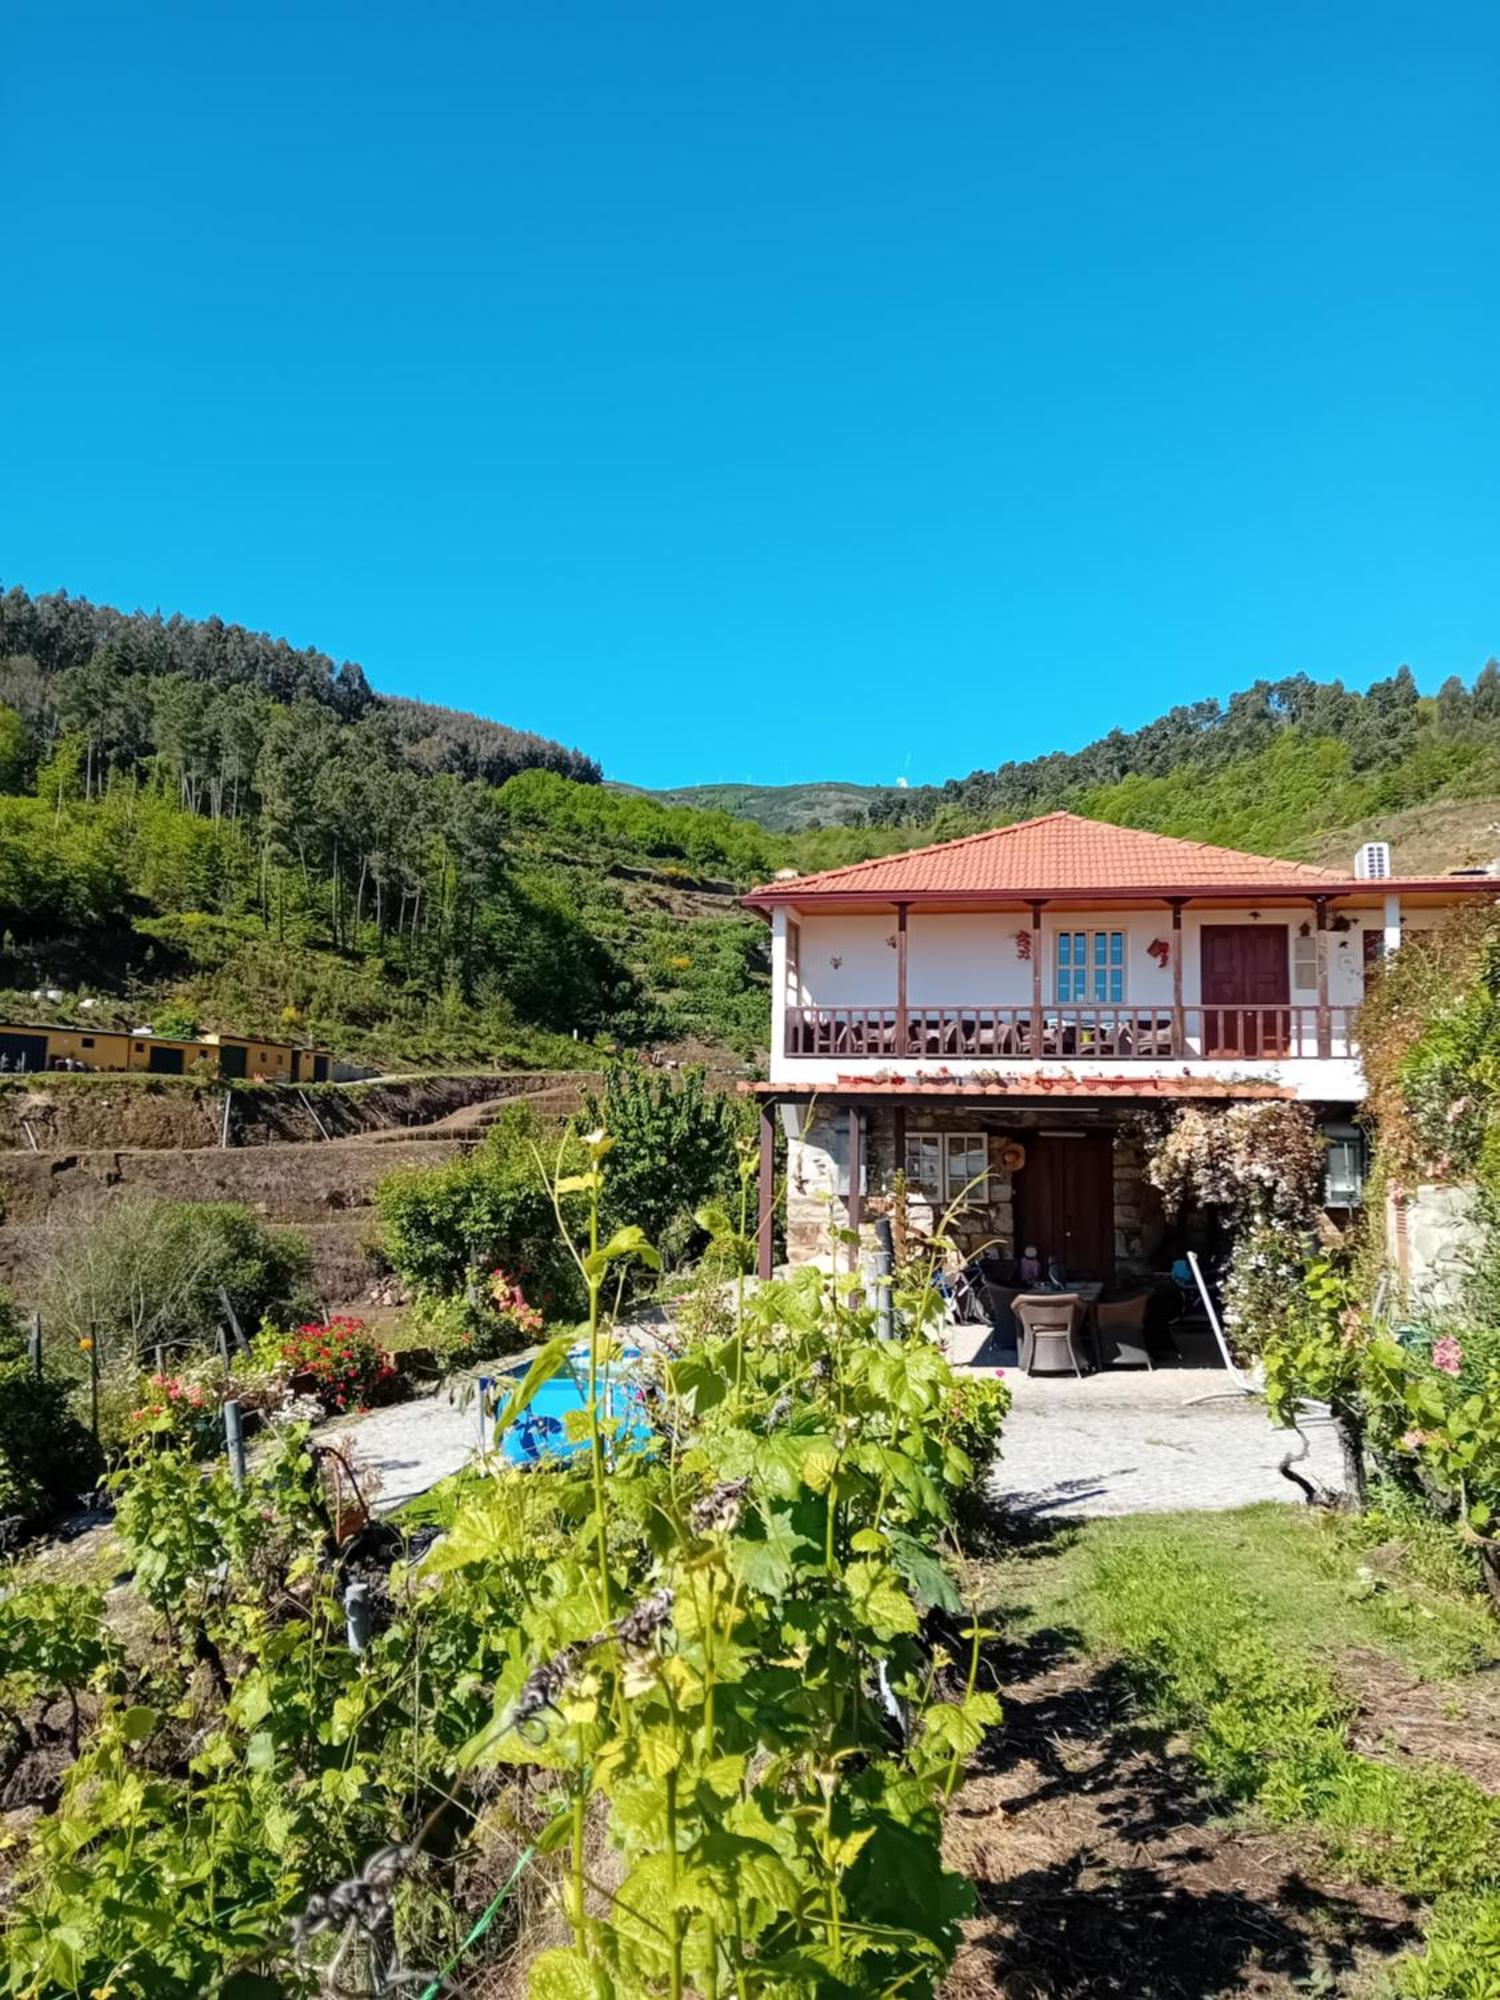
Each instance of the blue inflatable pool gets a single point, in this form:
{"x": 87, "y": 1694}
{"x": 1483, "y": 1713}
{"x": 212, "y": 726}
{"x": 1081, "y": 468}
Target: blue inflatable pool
{"x": 541, "y": 1430}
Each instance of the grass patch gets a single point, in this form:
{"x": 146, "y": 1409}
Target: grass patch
{"x": 1311, "y": 1574}
{"x": 1231, "y": 1629}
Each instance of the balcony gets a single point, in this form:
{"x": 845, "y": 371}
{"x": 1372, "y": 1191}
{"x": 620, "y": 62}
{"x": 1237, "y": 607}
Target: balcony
{"x": 1000, "y": 1035}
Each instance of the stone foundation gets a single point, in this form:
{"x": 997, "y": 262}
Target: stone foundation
{"x": 817, "y": 1181}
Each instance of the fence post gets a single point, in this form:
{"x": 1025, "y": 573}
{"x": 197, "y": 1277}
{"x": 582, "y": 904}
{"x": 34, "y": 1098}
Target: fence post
{"x": 234, "y": 1321}
{"x": 357, "y": 1616}
{"x": 224, "y": 1121}
{"x": 234, "y": 1441}
{"x": 34, "y": 1345}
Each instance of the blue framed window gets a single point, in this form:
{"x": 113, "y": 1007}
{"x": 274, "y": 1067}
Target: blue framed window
{"x": 1090, "y": 967}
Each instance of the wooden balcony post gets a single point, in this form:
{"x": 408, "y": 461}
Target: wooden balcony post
{"x": 1179, "y": 1018}
{"x": 901, "y": 909}
{"x": 1038, "y": 1037}
{"x": 1325, "y": 1012}
{"x": 766, "y": 1191}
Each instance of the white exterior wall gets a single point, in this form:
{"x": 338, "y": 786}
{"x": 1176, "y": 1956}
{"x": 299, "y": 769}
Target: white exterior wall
{"x": 973, "y": 960}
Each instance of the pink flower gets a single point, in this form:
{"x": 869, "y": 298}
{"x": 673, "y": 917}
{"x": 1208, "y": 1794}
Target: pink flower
{"x": 1414, "y": 1440}
{"x": 1448, "y": 1355}
{"x": 999, "y": 1371}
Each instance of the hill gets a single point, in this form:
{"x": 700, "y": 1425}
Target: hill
{"x": 203, "y": 826}
{"x": 788, "y": 808}
{"x": 206, "y": 827}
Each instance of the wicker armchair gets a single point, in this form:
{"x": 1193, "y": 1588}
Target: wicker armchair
{"x": 1120, "y": 1330}
{"x": 1051, "y": 1330}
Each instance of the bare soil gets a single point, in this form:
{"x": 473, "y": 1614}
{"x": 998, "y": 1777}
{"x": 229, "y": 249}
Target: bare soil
{"x": 1100, "y": 1871}
{"x": 1425, "y": 840}
{"x": 136, "y": 1112}
{"x": 1426, "y": 1722}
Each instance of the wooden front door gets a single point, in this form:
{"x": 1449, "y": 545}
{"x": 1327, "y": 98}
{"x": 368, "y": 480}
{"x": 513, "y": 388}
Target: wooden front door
{"x": 1065, "y": 1202}
{"x": 1246, "y": 990}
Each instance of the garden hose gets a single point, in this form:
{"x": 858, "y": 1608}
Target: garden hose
{"x": 481, "y": 1925}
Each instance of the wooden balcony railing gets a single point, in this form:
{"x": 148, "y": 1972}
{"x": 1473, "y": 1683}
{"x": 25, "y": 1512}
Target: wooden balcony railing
{"x": 1063, "y": 1033}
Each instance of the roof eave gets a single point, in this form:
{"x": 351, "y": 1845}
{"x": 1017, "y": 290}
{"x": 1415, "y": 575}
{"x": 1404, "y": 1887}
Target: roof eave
{"x": 767, "y": 898}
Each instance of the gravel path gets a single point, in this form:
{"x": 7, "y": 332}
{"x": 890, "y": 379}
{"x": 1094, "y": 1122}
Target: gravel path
{"x": 1126, "y": 1442}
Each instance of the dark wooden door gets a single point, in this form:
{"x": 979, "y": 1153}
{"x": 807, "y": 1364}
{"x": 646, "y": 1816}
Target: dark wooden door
{"x": 1066, "y": 1202}
{"x": 1246, "y": 990}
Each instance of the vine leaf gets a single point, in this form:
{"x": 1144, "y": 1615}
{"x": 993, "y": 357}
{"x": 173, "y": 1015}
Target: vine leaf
{"x": 565, "y": 1974}
{"x": 551, "y": 1361}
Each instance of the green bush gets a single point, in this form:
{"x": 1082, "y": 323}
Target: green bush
{"x": 445, "y": 1228}
{"x": 47, "y": 1458}
{"x": 149, "y": 1274}
{"x": 675, "y": 1152}
{"x": 977, "y": 1408}
{"x": 1461, "y": 1957}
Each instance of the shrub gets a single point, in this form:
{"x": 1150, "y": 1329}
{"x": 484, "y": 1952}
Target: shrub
{"x": 47, "y": 1458}
{"x": 445, "y": 1228}
{"x": 148, "y": 1274}
{"x": 976, "y": 1411}
{"x": 675, "y": 1153}
{"x": 177, "y": 1022}
{"x": 341, "y": 1358}
{"x": 1461, "y": 1957}
{"x": 684, "y": 1646}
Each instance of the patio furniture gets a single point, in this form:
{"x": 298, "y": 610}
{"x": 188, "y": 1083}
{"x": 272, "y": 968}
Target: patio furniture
{"x": 1051, "y": 1327}
{"x": 1120, "y": 1332}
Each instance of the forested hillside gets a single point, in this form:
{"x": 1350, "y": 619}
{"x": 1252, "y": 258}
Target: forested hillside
{"x": 201, "y": 824}
{"x": 1284, "y": 767}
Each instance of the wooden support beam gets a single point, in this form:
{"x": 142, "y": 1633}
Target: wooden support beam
{"x": 898, "y": 1140}
{"x": 1325, "y": 1019}
{"x": 1038, "y": 1038}
{"x": 901, "y": 1038}
{"x": 1179, "y": 1014}
{"x": 856, "y": 1207}
{"x": 766, "y": 1192}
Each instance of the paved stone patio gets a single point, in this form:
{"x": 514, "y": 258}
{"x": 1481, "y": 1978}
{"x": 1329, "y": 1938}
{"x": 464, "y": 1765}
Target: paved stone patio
{"x": 1129, "y": 1441}
{"x": 1121, "y": 1442}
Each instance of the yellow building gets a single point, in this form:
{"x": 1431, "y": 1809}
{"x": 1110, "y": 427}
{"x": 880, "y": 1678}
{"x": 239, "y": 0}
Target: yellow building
{"x": 28, "y": 1049}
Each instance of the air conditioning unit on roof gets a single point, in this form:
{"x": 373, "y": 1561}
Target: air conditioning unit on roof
{"x": 1373, "y": 862}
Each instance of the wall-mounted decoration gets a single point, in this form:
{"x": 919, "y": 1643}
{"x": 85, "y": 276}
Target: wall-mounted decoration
{"x": 1339, "y": 923}
{"x": 891, "y": 940}
{"x": 1304, "y": 930}
{"x": 1012, "y": 1156}
{"x": 1161, "y": 950}
{"x": 1023, "y": 944}
{"x": 835, "y": 962}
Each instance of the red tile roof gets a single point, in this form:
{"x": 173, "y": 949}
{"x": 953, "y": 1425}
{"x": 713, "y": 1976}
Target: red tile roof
{"x": 1057, "y": 852}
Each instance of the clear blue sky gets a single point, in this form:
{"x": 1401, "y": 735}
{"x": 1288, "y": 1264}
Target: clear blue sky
{"x": 783, "y": 391}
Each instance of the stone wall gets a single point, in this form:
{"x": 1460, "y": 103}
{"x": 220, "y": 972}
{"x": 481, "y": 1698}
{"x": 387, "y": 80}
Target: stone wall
{"x": 1437, "y": 1235}
{"x": 814, "y": 1162}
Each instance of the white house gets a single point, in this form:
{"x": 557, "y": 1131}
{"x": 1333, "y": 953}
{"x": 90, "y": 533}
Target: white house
{"x": 985, "y": 1014}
